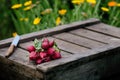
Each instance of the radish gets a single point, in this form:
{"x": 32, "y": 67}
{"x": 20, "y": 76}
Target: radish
{"x": 50, "y": 51}
{"x": 45, "y": 45}
{"x": 56, "y": 55}
{"x": 31, "y": 48}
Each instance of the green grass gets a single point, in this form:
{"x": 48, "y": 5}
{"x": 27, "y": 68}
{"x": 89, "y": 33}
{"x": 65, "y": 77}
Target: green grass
{"x": 74, "y": 13}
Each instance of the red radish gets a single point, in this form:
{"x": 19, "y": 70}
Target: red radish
{"x": 56, "y": 55}
{"x": 43, "y": 54}
{"x": 45, "y": 45}
{"x": 50, "y": 51}
{"x": 33, "y": 55}
{"x": 39, "y": 60}
{"x": 45, "y": 40}
{"x": 47, "y": 59}
{"x": 51, "y": 43}
{"x": 47, "y": 53}
{"x": 31, "y": 48}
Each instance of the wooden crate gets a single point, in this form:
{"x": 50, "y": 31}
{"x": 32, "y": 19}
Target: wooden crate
{"x": 90, "y": 51}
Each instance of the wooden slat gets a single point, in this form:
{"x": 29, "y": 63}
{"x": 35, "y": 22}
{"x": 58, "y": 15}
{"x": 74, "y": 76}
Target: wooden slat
{"x": 19, "y": 62}
{"x": 79, "y": 40}
{"x": 18, "y": 55}
{"x": 3, "y": 51}
{"x": 69, "y": 47}
{"x": 95, "y": 36}
{"x": 5, "y": 43}
{"x": 106, "y": 29}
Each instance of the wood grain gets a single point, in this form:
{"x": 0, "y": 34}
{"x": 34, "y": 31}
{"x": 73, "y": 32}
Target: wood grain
{"x": 19, "y": 62}
{"x": 106, "y": 29}
{"x": 95, "y": 36}
{"x": 79, "y": 40}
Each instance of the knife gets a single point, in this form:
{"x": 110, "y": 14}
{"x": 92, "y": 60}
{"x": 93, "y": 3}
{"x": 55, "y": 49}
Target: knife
{"x": 12, "y": 46}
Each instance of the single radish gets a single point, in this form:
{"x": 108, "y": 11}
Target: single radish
{"x": 45, "y": 40}
{"x": 45, "y": 45}
{"x": 50, "y": 51}
{"x": 39, "y": 60}
{"x": 43, "y": 54}
{"x": 51, "y": 43}
{"x": 56, "y": 55}
{"x": 31, "y": 48}
{"x": 33, "y": 55}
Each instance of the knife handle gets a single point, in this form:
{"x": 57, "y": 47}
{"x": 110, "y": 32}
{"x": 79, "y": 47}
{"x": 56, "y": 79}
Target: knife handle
{"x": 9, "y": 51}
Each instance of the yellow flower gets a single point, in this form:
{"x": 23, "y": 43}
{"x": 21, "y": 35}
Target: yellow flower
{"x": 58, "y": 21}
{"x": 46, "y": 11}
{"x": 23, "y": 19}
{"x": 16, "y": 6}
{"x": 14, "y": 34}
{"x": 112, "y": 3}
{"x": 91, "y": 1}
{"x": 118, "y": 4}
{"x": 104, "y": 9}
{"x": 62, "y": 11}
{"x": 77, "y": 1}
{"x": 36, "y": 21}
{"x": 27, "y": 8}
{"x": 27, "y": 3}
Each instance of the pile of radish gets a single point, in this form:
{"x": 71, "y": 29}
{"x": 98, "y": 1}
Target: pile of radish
{"x": 43, "y": 51}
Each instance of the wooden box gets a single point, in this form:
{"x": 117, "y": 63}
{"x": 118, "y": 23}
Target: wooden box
{"x": 90, "y": 51}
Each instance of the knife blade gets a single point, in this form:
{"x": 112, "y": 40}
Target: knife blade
{"x": 12, "y": 46}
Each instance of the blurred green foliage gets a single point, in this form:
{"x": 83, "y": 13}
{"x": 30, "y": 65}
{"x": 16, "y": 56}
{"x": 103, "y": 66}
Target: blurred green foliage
{"x": 6, "y": 23}
{"x": 21, "y": 21}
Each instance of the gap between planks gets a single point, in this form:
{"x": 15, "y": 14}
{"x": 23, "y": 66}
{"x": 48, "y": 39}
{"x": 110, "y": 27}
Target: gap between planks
{"x": 105, "y": 29}
{"x": 94, "y": 36}
{"x": 87, "y": 43}
{"x": 87, "y": 37}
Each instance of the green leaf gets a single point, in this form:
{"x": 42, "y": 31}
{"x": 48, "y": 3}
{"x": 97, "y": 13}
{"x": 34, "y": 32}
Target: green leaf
{"x": 56, "y": 47}
{"x": 37, "y": 45}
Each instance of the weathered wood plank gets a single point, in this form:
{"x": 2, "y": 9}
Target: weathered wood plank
{"x": 18, "y": 62}
{"x": 95, "y": 36}
{"x": 19, "y": 55}
{"x": 48, "y": 32}
{"x": 106, "y": 29}
{"x": 79, "y": 40}
{"x": 5, "y": 43}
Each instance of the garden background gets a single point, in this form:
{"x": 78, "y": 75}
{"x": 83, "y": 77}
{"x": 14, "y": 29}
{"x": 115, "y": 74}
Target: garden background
{"x": 25, "y": 16}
